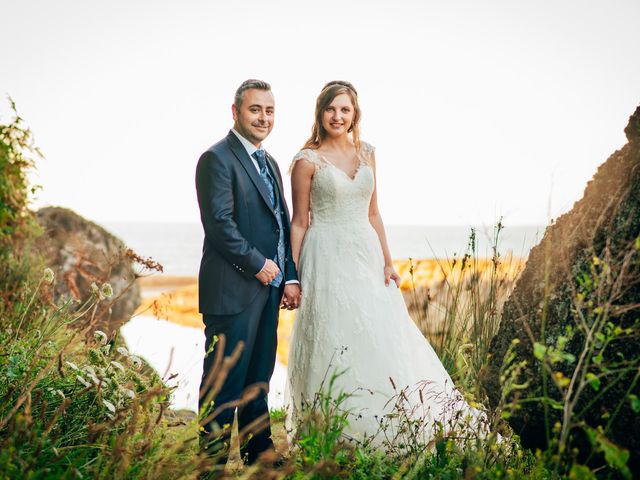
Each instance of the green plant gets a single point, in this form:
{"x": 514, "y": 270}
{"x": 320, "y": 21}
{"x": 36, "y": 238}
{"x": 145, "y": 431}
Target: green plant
{"x": 73, "y": 406}
{"x": 17, "y": 157}
{"x": 602, "y": 323}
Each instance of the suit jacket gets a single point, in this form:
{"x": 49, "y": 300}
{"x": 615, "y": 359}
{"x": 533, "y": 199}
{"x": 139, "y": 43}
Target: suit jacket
{"x": 240, "y": 227}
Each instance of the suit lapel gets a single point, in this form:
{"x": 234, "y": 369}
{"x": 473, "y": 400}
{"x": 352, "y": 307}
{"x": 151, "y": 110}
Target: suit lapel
{"x": 246, "y": 162}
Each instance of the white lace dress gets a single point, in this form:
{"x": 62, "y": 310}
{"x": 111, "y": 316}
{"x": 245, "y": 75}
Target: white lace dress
{"x": 350, "y": 321}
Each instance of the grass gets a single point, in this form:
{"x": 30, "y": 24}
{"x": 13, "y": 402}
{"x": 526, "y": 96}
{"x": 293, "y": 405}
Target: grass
{"x": 75, "y": 405}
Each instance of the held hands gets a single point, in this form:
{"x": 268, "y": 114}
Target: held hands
{"x": 291, "y": 297}
{"x": 391, "y": 274}
{"x": 268, "y": 272}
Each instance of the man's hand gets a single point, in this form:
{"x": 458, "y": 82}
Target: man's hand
{"x": 291, "y": 297}
{"x": 268, "y": 272}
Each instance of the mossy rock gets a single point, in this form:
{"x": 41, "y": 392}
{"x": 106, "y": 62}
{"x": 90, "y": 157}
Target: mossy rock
{"x": 82, "y": 253}
{"x": 602, "y": 228}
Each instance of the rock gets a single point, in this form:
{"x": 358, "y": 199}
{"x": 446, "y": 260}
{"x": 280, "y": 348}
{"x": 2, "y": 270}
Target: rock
{"x": 81, "y": 253}
{"x": 600, "y": 229}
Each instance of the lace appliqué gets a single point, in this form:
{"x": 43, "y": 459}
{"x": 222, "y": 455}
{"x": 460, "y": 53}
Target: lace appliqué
{"x": 365, "y": 154}
{"x": 310, "y": 156}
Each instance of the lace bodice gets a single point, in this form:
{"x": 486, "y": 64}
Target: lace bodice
{"x": 337, "y": 198}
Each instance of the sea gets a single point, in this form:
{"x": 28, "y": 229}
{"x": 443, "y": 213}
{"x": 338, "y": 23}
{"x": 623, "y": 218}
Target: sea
{"x": 176, "y": 352}
{"x": 178, "y": 246}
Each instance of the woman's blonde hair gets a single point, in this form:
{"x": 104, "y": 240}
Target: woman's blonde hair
{"x": 330, "y": 91}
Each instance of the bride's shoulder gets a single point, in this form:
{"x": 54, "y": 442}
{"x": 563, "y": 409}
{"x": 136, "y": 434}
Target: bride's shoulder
{"x": 366, "y": 147}
{"x": 307, "y": 154}
{"x": 366, "y": 152}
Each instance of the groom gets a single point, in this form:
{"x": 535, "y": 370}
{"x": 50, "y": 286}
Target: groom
{"x": 246, "y": 274}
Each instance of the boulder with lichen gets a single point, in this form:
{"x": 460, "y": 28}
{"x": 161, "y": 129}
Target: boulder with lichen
{"x": 586, "y": 269}
{"x": 84, "y": 256}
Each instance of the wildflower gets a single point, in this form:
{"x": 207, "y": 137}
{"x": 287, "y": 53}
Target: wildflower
{"x": 72, "y": 365}
{"x": 106, "y": 291}
{"x": 101, "y": 337}
{"x": 94, "y": 288}
{"x": 117, "y": 365}
{"x": 122, "y": 351}
{"x": 135, "y": 361}
{"x": 48, "y": 276}
{"x": 83, "y": 381}
{"x": 129, "y": 393}
{"x": 110, "y": 406}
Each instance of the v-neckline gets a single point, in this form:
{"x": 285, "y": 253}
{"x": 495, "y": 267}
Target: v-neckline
{"x": 349, "y": 177}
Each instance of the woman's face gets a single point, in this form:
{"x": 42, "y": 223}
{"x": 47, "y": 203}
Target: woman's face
{"x": 338, "y": 116}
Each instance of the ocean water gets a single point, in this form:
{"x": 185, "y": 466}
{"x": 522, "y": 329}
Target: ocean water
{"x": 176, "y": 353}
{"x": 178, "y": 246}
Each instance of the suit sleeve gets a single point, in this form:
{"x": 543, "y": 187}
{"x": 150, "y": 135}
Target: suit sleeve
{"x": 290, "y": 272}
{"x": 216, "y": 201}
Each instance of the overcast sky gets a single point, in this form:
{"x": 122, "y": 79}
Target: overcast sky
{"x": 477, "y": 108}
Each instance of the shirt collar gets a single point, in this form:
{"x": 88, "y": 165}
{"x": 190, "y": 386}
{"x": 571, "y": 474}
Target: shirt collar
{"x": 248, "y": 146}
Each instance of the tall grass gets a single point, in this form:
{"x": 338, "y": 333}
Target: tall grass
{"x": 461, "y": 315}
{"x": 76, "y": 404}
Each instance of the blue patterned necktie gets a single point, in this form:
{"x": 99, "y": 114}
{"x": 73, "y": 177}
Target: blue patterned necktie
{"x": 260, "y": 157}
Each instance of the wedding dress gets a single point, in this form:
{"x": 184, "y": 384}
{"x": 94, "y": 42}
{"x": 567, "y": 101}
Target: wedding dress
{"x": 349, "y": 321}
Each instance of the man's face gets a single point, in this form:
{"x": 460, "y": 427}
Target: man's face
{"x": 254, "y": 118}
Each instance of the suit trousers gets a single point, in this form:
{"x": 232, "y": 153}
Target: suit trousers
{"x": 256, "y": 327}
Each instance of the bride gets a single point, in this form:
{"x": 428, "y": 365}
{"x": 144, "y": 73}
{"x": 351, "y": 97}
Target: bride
{"x": 352, "y": 317}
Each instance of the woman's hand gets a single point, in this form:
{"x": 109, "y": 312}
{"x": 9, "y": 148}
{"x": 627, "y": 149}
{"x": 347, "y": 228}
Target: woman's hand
{"x": 391, "y": 274}
{"x": 291, "y": 297}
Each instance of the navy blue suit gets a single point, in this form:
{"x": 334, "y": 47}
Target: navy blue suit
{"x": 241, "y": 231}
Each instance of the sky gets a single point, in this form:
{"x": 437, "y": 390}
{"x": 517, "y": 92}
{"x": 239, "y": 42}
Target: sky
{"x": 478, "y": 109}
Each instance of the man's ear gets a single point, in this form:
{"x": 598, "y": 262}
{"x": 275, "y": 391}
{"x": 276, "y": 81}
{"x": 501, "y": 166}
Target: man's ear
{"x": 234, "y": 112}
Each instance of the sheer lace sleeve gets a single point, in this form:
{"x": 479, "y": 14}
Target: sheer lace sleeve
{"x": 310, "y": 156}
{"x": 366, "y": 152}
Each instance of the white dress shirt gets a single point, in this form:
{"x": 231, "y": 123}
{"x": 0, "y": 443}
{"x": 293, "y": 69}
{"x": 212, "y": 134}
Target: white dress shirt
{"x": 251, "y": 149}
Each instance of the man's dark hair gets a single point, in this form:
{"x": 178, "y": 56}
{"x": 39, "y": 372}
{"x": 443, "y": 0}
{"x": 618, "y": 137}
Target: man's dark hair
{"x": 246, "y": 85}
